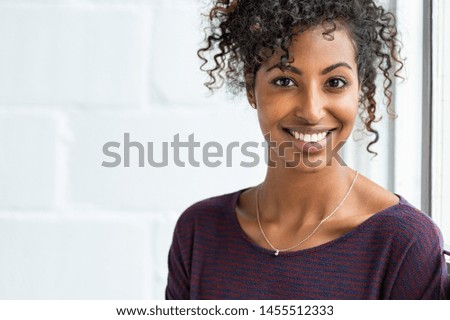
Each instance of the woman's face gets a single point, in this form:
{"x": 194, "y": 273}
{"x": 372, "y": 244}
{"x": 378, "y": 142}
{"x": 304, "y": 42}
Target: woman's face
{"x": 306, "y": 109}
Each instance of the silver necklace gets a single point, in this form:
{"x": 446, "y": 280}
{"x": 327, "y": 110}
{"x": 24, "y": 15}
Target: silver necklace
{"x": 276, "y": 250}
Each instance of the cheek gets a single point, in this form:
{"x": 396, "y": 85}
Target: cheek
{"x": 345, "y": 107}
{"x": 271, "y": 108}
{"x": 268, "y": 116}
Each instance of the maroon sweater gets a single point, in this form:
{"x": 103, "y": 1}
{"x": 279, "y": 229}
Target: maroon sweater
{"x": 395, "y": 254}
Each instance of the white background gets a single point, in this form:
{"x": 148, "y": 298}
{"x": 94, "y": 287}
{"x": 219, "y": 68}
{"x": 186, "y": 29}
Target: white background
{"x": 75, "y": 75}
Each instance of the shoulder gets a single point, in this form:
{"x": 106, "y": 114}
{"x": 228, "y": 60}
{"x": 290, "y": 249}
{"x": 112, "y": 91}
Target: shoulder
{"x": 391, "y": 213}
{"x": 408, "y": 224}
{"x": 209, "y": 208}
{"x": 416, "y": 248}
{"x": 205, "y": 221}
{"x": 409, "y": 217}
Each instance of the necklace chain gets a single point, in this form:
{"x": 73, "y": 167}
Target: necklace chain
{"x": 277, "y": 251}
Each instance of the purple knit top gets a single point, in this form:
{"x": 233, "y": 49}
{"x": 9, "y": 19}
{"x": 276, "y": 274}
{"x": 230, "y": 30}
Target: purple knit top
{"x": 395, "y": 254}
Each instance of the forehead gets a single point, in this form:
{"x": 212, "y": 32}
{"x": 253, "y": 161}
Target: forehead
{"x": 317, "y": 46}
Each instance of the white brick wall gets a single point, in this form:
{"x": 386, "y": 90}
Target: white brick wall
{"x": 73, "y": 76}
{"x": 28, "y": 142}
{"x": 74, "y": 54}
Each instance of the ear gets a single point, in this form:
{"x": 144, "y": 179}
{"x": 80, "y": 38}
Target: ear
{"x": 250, "y": 89}
{"x": 251, "y": 97}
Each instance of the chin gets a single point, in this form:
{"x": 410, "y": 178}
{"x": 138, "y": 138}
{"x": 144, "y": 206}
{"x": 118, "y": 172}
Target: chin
{"x": 300, "y": 161}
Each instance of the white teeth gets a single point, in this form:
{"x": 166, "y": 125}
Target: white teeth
{"x": 315, "y": 137}
{"x": 307, "y": 137}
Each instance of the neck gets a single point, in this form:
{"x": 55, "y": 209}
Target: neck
{"x": 290, "y": 196}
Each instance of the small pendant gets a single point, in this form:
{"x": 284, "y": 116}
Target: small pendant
{"x": 277, "y": 252}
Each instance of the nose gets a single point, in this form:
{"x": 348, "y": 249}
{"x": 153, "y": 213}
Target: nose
{"x": 310, "y": 105}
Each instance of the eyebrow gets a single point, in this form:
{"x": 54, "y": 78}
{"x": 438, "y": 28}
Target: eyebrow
{"x": 334, "y": 66}
{"x": 299, "y": 72}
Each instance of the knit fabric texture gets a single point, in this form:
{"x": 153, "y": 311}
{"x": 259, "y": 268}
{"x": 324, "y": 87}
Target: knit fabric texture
{"x": 395, "y": 254}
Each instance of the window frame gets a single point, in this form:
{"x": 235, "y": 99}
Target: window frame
{"x": 427, "y": 103}
{"x": 434, "y": 191}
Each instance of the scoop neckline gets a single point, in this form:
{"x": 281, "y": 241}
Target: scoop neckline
{"x": 359, "y": 228}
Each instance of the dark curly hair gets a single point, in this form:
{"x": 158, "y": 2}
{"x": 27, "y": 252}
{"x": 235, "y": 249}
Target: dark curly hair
{"x": 243, "y": 34}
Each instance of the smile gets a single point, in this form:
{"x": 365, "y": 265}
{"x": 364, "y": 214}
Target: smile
{"x": 306, "y": 137}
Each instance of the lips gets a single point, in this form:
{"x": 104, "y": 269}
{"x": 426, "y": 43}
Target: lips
{"x": 309, "y": 135}
{"x": 309, "y": 140}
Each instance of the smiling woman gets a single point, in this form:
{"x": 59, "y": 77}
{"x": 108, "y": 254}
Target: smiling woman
{"x": 311, "y": 102}
{"x": 314, "y": 228}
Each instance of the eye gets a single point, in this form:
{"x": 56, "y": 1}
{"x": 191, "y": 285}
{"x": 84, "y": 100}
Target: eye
{"x": 337, "y": 83}
{"x": 284, "y": 82}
